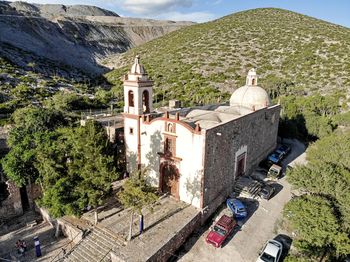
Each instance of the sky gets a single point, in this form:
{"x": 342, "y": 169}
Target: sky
{"x": 335, "y": 11}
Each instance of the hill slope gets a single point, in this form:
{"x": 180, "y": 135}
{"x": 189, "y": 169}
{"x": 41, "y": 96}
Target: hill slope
{"x": 293, "y": 53}
{"x": 78, "y": 36}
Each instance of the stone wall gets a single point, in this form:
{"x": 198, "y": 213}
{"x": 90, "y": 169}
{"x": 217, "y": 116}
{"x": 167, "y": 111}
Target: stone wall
{"x": 165, "y": 252}
{"x": 12, "y": 206}
{"x": 173, "y": 244}
{"x": 70, "y": 230}
{"x": 33, "y": 192}
{"x": 257, "y": 132}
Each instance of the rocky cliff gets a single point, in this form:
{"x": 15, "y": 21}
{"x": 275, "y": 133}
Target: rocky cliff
{"x": 78, "y": 36}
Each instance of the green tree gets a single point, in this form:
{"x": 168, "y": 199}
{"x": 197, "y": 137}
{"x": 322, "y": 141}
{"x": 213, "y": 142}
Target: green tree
{"x": 324, "y": 214}
{"x": 19, "y": 163}
{"x": 136, "y": 194}
{"x": 317, "y": 227}
{"x": 77, "y": 168}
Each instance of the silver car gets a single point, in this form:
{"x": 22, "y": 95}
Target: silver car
{"x": 271, "y": 252}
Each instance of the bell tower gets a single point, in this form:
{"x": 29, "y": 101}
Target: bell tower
{"x": 138, "y": 90}
{"x": 252, "y": 78}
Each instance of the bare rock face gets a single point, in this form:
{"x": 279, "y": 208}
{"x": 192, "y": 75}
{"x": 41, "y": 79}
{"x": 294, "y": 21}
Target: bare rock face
{"x": 78, "y": 36}
{"x": 48, "y": 10}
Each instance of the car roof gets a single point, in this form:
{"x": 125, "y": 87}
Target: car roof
{"x": 275, "y": 167}
{"x": 272, "y": 247}
{"x": 225, "y": 220}
{"x": 236, "y": 202}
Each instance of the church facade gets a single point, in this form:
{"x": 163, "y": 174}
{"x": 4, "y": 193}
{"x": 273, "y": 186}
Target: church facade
{"x": 196, "y": 154}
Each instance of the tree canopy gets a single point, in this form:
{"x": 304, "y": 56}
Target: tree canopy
{"x": 321, "y": 217}
{"x": 317, "y": 226}
{"x": 76, "y": 166}
{"x": 28, "y": 123}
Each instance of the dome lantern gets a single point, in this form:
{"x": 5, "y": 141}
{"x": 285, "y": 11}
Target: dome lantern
{"x": 252, "y": 78}
{"x": 250, "y": 97}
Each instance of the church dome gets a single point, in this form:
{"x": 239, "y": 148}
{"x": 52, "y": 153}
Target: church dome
{"x": 251, "y": 96}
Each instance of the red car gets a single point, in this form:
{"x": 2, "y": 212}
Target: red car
{"x": 221, "y": 230}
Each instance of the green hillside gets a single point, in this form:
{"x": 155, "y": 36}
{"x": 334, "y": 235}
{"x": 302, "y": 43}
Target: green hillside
{"x": 293, "y": 53}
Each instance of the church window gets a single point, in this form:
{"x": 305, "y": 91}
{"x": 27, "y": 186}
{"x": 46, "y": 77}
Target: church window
{"x": 169, "y": 146}
{"x": 131, "y": 98}
{"x": 145, "y": 101}
{"x": 170, "y": 128}
{"x": 253, "y": 81}
{"x": 131, "y": 131}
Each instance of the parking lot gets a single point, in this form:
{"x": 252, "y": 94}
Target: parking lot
{"x": 248, "y": 239}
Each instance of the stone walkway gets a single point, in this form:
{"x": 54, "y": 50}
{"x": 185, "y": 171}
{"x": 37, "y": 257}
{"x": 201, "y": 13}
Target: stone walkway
{"x": 161, "y": 224}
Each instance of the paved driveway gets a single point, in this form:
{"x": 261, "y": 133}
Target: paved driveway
{"x": 246, "y": 243}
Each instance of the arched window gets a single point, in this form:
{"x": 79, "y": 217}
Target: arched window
{"x": 170, "y": 128}
{"x": 145, "y": 101}
{"x": 131, "y": 98}
{"x": 253, "y": 81}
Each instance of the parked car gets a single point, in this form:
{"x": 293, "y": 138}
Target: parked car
{"x": 237, "y": 208}
{"x": 283, "y": 149}
{"x": 265, "y": 164}
{"x": 274, "y": 172}
{"x": 266, "y": 191}
{"x": 275, "y": 157}
{"x": 221, "y": 230}
{"x": 271, "y": 252}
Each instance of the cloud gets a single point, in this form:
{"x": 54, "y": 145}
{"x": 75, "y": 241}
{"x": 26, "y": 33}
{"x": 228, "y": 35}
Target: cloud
{"x": 198, "y": 17}
{"x": 147, "y": 7}
{"x": 156, "y": 9}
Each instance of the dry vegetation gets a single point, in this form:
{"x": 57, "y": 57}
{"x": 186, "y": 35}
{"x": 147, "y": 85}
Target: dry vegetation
{"x": 294, "y": 54}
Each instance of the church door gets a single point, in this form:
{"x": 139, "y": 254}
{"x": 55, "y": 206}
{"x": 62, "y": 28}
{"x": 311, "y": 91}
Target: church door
{"x": 170, "y": 180}
{"x": 241, "y": 164}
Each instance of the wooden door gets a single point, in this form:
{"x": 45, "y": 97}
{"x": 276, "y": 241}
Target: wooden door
{"x": 241, "y": 164}
{"x": 170, "y": 180}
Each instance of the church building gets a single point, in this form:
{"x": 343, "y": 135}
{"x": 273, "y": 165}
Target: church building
{"x": 196, "y": 154}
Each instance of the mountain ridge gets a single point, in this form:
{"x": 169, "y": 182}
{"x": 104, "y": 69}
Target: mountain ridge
{"x": 81, "y": 40}
{"x": 47, "y": 10}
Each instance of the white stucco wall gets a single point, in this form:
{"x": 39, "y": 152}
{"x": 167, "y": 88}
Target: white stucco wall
{"x": 130, "y": 143}
{"x": 189, "y": 147}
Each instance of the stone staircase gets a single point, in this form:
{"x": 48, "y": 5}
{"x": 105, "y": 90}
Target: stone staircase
{"x": 95, "y": 246}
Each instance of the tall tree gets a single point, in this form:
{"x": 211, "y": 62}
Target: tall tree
{"x": 77, "y": 168}
{"x": 137, "y": 194}
{"x": 321, "y": 217}
{"x": 19, "y": 163}
{"x": 317, "y": 228}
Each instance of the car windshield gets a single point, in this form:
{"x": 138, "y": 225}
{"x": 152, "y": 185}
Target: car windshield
{"x": 273, "y": 171}
{"x": 241, "y": 210}
{"x": 220, "y": 230}
{"x": 267, "y": 258}
{"x": 264, "y": 191}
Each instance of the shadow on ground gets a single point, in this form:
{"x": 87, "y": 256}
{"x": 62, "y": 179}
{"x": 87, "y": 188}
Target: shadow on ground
{"x": 251, "y": 206}
{"x": 278, "y": 188}
{"x": 287, "y": 242}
